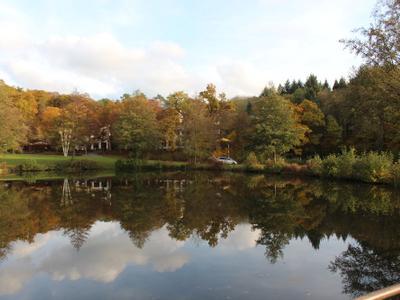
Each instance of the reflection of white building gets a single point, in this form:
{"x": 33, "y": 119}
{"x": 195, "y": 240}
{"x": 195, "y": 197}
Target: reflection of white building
{"x": 174, "y": 184}
{"x": 95, "y": 186}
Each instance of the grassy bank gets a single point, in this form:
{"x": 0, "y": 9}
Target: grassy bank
{"x": 43, "y": 162}
{"x": 372, "y": 167}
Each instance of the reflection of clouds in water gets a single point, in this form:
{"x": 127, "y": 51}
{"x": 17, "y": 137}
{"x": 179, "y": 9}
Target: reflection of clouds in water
{"x": 20, "y": 266}
{"x": 23, "y": 249}
{"x": 241, "y": 238}
{"x": 105, "y": 255}
{"x": 14, "y": 276}
{"x": 107, "y": 252}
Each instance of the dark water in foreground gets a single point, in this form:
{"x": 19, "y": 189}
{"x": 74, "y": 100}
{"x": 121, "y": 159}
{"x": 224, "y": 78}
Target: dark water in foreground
{"x": 196, "y": 236}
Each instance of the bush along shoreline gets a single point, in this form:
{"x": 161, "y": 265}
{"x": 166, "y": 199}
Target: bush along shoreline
{"x": 368, "y": 167}
{"x": 67, "y": 166}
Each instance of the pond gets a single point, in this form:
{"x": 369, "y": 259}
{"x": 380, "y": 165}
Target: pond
{"x": 196, "y": 235}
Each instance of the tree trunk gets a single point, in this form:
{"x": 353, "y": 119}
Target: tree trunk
{"x": 65, "y": 136}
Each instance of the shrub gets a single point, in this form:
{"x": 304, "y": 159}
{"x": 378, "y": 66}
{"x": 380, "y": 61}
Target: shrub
{"x": 251, "y": 160}
{"x": 373, "y": 167}
{"x": 131, "y": 165}
{"x": 276, "y": 166}
{"x": 252, "y": 164}
{"x": 30, "y": 165}
{"x": 395, "y": 173}
{"x": 127, "y": 165}
{"x": 345, "y": 163}
{"x": 330, "y": 166}
{"x": 255, "y": 168}
{"x": 76, "y": 165}
{"x": 315, "y": 165}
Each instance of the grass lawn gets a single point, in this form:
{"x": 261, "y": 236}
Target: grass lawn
{"x": 106, "y": 163}
{"x": 12, "y": 160}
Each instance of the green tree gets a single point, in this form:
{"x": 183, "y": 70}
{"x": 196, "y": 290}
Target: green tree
{"x": 326, "y": 85}
{"x": 372, "y": 106}
{"x": 332, "y": 135}
{"x": 298, "y": 95}
{"x": 276, "y": 129}
{"x": 312, "y": 87}
{"x": 268, "y": 91}
{"x": 136, "y": 129}
{"x": 287, "y": 89}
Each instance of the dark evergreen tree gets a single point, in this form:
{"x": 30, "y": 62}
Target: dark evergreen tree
{"x": 293, "y": 87}
{"x": 268, "y": 91}
{"x": 312, "y": 87}
{"x": 335, "y": 85}
{"x": 300, "y": 84}
{"x": 249, "y": 108}
{"x": 326, "y": 86}
{"x": 342, "y": 83}
{"x": 287, "y": 87}
{"x": 281, "y": 90}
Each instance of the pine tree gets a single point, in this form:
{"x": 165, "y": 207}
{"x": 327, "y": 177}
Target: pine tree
{"x": 249, "y": 108}
{"x": 342, "y": 83}
{"x": 287, "y": 87}
{"x": 335, "y": 85}
{"x": 326, "y": 86}
{"x": 293, "y": 87}
{"x": 312, "y": 87}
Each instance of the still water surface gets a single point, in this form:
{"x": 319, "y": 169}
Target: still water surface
{"x": 196, "y": 236}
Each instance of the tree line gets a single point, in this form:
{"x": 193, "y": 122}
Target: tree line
{"x": 297, "y": 119}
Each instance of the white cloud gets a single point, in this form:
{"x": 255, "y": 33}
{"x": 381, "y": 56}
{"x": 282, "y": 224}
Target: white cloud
{"x": 99, "y": 65}
{"x": 240, "y": 53}
{"x": 240, "y": 78}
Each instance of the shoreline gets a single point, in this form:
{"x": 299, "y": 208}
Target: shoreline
{"x": 123, "y": 167}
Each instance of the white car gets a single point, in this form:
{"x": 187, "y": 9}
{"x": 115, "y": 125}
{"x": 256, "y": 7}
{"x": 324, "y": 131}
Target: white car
{"x": 226, "y": 160}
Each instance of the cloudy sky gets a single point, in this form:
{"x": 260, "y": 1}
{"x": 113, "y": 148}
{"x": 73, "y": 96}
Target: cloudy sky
{"x": 109, "y": 47}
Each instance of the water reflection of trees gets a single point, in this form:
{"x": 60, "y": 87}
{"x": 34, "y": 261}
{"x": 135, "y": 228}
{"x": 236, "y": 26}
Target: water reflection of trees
{"x": 193, "y": 205}
{"x": 364, "y": 269}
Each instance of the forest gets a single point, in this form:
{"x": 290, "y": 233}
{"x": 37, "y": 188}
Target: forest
{"x": 296, "y": 119}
